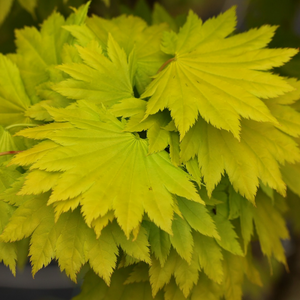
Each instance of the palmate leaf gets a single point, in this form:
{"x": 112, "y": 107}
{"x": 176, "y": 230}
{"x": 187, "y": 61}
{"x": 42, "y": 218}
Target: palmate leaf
{"x": 94, "y": 288}
{"x": 282, "y": 109}
{"x": 5, "y": 7}
{"x": 223, "y": 84}
{"x": 69, "y": 239}
{"x": 105, "y": 165}
{"x": 13, "y": 97}
{"x": 258, "y": 155}
{"x": 144, "y": 42}
{"x": 115, "y": 85}
{"x": 8, "y": 251}
{"x": 43, "y": 48}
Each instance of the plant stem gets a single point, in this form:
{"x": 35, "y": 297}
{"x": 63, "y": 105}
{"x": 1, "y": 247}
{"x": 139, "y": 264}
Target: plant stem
{"x": 10, "y": 152}
{"x": 165, "y": 64}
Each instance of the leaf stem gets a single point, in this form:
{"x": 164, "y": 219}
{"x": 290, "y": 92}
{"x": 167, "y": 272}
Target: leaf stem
{"x": 10, "y": 152}
{"x": 165, "y": 64}
{"x": 20, "y": 125}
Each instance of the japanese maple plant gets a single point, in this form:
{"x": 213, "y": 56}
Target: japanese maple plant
{"x": 153, "y": 156}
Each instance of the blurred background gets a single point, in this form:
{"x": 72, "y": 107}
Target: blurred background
{"x": 50, "y": 284}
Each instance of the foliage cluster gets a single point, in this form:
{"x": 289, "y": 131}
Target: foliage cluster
{"x": 153, "y": 154}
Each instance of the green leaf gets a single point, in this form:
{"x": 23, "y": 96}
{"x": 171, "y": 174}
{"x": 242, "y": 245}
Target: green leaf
{"x": 244, "y": 210}
{"x": 35, "y": 210}
{"x": 71, "y": 249}
{"x": 160, "y": 15}
{"x": 182, "y": 239}
{"x": 228, "y": 237}
{"x": 200, "y": 81}
{"x": 143, "y": 45}
{"x": 256, "y": 156}
{"x": 29, "y": 5}
{"x": 121, "y": 162}
{"x": 5, "y": 7}
{"x": 139, "y": 274}
{"x": 290, "y": 174}
{"x": 159, "y": 241}
{"x": 210, "y": 257}
{"x": 43, "y": 243}
{"x": 137, "y": 247}
{"x": 233, "y": 271}
{"x": 94, "y": 288}
{"x": 161, "y": 275}
{"x": 206, "y": 289}
{"x": 116, "y": 85}
{"x": 270, "y": 227}
{"x": 102, "y": 254}
{"x": 197, "y": 217}
{"x": 43, "y": 48}
{"x": 13, "y": 96}
{"x": 172, "y": 292}
{"x": 106, "y": 2}
{"x": 8, "y": 251}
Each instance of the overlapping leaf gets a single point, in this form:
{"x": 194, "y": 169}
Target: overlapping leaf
{"x": 144, "y": 42}
{"x": 257, "y": 155}
{"x": 108, "y": 167}
{"x": 223, "y": 84}
{"x": 13, "y": 97}
{"x": 92, "y": 81}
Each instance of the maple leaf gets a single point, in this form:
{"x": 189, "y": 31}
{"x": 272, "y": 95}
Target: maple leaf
{"x": 8, "y": 251}
{"x": 13, "y": 96}
{"x": 94, "y": 287}
{"x": 42, "y": 48}
{"x": 130, "y": 190}
{"x": 222, "y": 85}
{"x": 115, "y": 85}
{"x": 144, "y": 43}
{"x": 258, "y": 155}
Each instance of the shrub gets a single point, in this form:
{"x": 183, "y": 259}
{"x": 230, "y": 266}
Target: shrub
{"x": 153, "y": 155}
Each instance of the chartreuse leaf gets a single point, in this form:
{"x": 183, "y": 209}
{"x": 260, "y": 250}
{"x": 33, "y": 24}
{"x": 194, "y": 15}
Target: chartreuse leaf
{"x": 206, "y": 289}
{"x": 234, "y": 274}
{"x": 8, "y": 251}
{"x": 122, "y": 162}
{"x": 137, "y": 247}
{"x": 209, "y": 256}
{"x": 270, "y": 227}
{"x": 43, "y": 48}
{"x": 269, "y": 223}
{"x": 256, "y": 156}
{"x": 33, "y": 209}
{"x": 99, "y": 223}
{"x": 287, "y": 116}
{"x": 198, "y": 80}
{"x": 115, "y": 84}
{"x": 158, "y": 136}
{"x": 185, "y": 274}
{"x": 160, "y": 15}
{"x": 94, "y": 288}
{"x": 240, "y": 207}
{"x": 43, "y": 242}
{"x": 29, "y": 5}
{"x": 290, "y": 174}
{"x": 5, "y": 7}
{"x": 159, "y": 241}
{"x": 182, "y": 239}
{"x": 172, "y": 292}
{"x": 13, "y": 97}
{"x": 143, "y": 45}
{"x": 197, "y": 217}
{"x": 140, "y": 273}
